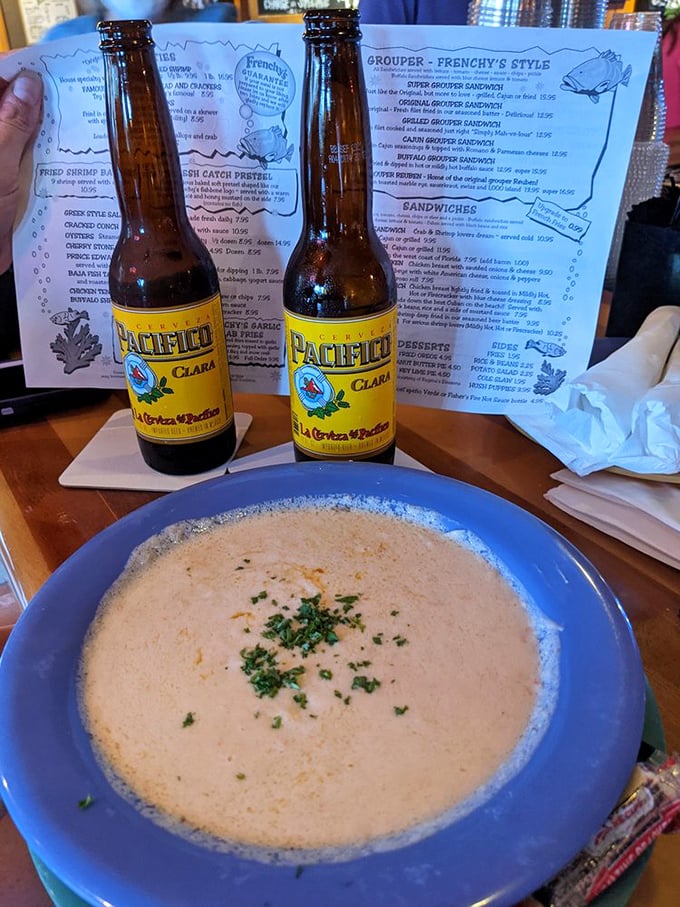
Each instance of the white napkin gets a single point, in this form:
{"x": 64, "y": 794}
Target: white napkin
{"x": 624, "y": 411}
{"x": 656, "y": 422}
{"x": 644, "y": 515}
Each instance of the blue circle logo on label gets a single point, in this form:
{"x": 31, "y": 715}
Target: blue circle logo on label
{"x": 312, "y": 387}
{"x": 142, "y": 378}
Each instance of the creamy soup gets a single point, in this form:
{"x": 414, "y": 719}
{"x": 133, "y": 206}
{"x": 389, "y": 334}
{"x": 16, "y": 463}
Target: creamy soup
{"x": 315, "y": 679}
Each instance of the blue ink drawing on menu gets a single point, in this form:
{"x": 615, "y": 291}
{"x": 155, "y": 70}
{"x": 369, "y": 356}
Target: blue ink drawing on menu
{"x": 597, "y": 76}
{"x": 77, "y": 347}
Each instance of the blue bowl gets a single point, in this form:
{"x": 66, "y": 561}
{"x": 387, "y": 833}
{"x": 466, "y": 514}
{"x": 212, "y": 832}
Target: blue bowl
{"x": 496, "y": 854}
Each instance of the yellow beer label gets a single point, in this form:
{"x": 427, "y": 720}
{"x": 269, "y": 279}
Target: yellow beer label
{"x": 176, "y": 369}
{"x": 342, "y": 375}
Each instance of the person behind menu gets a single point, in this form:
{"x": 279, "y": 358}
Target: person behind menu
{"x": 156, "y": 11}
{"x": 20, "y": 113}
{"x": 414, "y": 12}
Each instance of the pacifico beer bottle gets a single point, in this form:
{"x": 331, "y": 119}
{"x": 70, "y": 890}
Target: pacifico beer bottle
{"x": 167, "y": 308}
{"x": 339, "y": 289}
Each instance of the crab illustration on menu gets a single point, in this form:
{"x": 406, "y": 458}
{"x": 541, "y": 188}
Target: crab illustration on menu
{"x": 499, "y": 160}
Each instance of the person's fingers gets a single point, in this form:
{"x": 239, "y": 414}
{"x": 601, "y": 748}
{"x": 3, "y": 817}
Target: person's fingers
{"x": 20, "y": 112}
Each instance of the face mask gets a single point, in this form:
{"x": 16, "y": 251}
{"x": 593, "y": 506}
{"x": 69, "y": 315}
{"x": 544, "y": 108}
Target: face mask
{"x": 135, "y": 9}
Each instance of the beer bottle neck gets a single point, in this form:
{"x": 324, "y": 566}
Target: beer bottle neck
{"x": 144, "y": 154}
{"x": 336, "y": 155}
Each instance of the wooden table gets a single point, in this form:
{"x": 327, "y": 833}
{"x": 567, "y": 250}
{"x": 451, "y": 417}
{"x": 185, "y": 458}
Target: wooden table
{"x": 43, "y": 523}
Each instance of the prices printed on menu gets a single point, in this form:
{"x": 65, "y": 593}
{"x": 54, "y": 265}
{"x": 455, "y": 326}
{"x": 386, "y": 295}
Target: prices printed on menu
{"x": 499, "y": 158}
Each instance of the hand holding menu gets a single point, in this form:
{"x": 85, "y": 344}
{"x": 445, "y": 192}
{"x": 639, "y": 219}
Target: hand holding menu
{"x": 499, "y": 158}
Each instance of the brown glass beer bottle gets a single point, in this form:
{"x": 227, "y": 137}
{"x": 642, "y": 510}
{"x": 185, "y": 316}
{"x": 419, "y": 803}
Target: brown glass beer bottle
{"x": 167, "y": 308}
{"x": 339, "y": 288}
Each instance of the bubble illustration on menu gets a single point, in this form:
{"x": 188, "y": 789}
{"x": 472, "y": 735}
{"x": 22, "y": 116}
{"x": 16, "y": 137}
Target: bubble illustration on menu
{"x": 266, "y": 87}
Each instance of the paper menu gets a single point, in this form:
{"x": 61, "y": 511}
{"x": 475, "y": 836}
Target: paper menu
{"x": 499, "y": 157}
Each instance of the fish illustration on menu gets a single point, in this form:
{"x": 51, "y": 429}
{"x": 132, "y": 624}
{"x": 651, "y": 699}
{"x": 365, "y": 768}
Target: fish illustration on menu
{"x": 596, "y": 76}
{"x": 266, "y": 146}
{"x": 545, "y": 348}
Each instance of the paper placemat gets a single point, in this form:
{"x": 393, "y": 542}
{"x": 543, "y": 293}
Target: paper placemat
{"x": 283, "y": 453}
{"x": 112, "y": 460}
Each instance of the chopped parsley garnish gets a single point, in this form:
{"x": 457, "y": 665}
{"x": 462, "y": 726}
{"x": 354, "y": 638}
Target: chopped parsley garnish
{"x": 346, "y": 599}
{"x": 240, "y": 776}
{"x": 290, "y": 676}
{"x": 265, "y": 677}
{"x": 86, "y": 802}
{"x": 311, "y": 625}
{"x": 188, "y": 719}
{"x": 361, "y": 682}
{"x": 304, "y": 630}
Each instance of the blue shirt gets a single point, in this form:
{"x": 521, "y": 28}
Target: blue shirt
{"x": 216, "y": 12}
{"x": 414, "y": 12}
